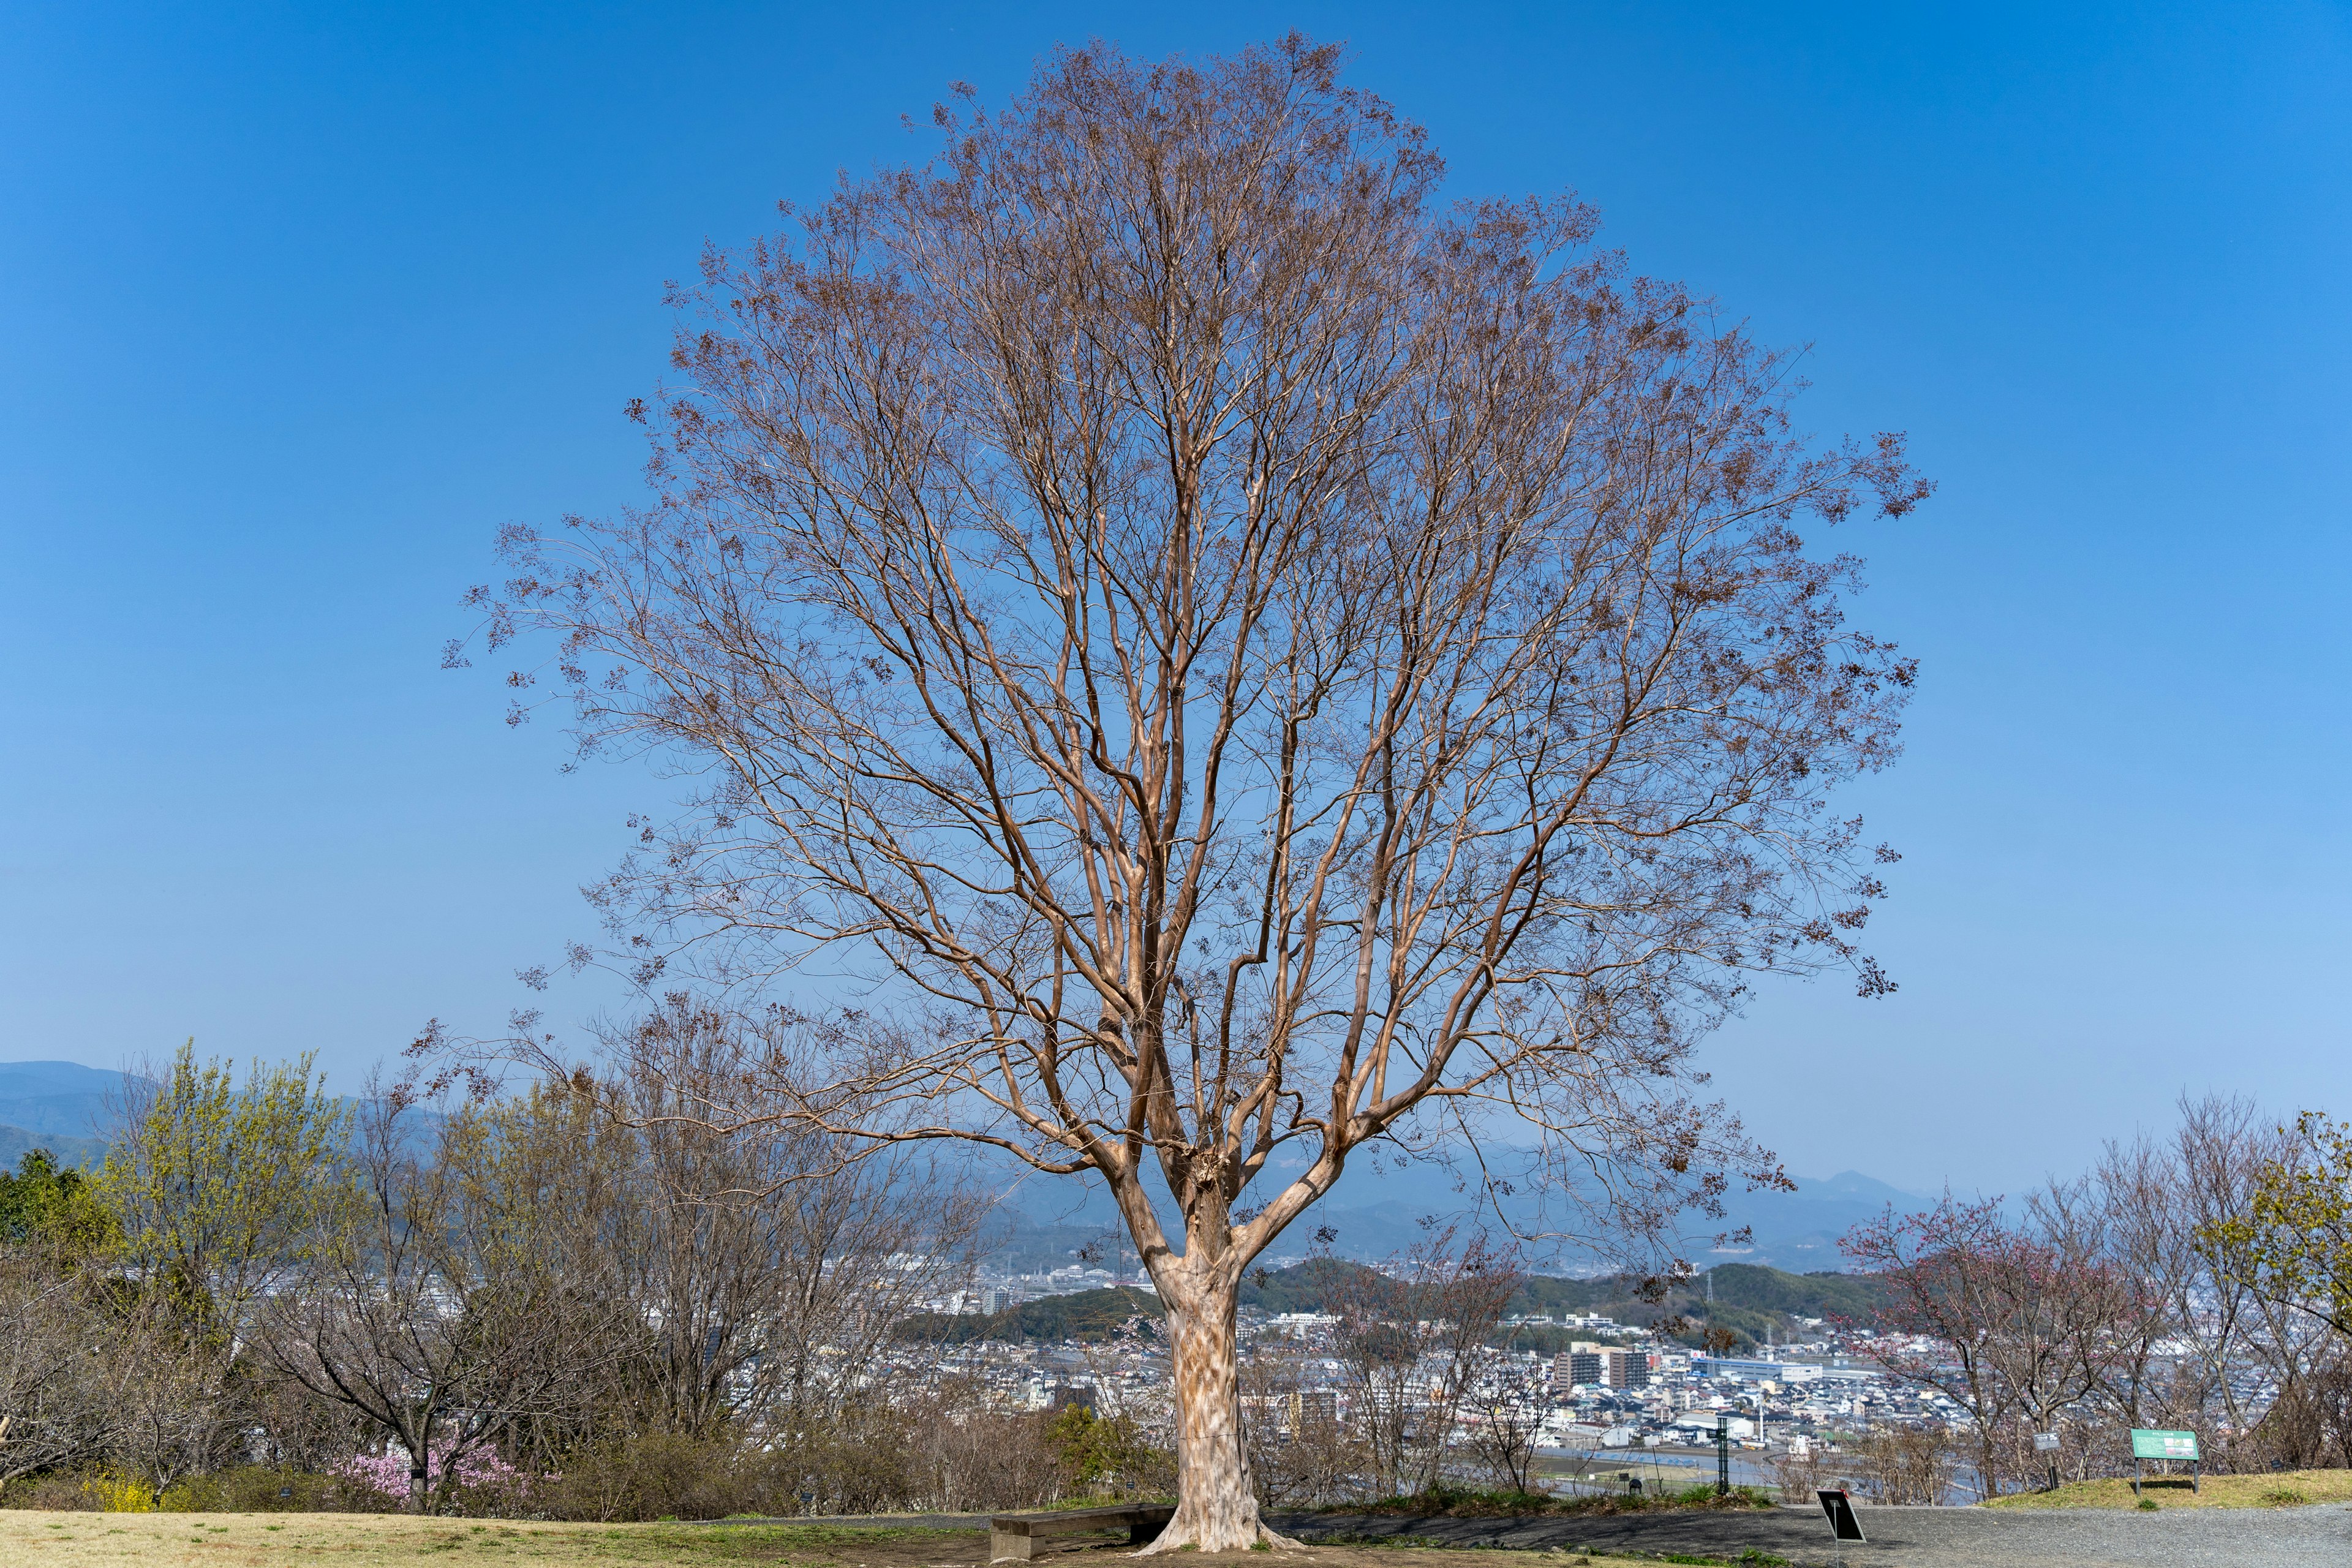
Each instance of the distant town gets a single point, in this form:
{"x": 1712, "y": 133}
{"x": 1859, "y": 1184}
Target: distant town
{"x": 1584, "y": 1384}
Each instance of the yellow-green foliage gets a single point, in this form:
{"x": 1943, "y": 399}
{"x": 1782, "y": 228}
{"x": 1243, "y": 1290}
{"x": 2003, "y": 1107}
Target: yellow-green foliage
{"x": 213, "y": 1183}
{"x": 111, "y": 1493}
{"x": 2295, "y": 1242}
{"x": 45, "y": 1203}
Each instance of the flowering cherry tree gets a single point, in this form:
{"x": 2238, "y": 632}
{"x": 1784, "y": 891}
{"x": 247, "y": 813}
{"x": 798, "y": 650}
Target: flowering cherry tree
{"x": 390, "y": 1474}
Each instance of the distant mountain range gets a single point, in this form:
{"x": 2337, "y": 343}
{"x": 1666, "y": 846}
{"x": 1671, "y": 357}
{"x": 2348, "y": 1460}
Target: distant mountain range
{"x": 1379, "y": 1211}
{"x": 1799, "y": 1231}
{"x": 63, "y": 1107}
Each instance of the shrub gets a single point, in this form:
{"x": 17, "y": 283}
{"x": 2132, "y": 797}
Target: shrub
{"x": 270, "y": 1489}
{"x": 110, "y": 1492}
{"x": 658, "y": 1474}
{"x": 1109, "y": 1456}
{"x": 57, "y": 1491}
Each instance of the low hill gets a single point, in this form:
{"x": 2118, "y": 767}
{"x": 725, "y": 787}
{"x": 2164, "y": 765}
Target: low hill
{"x": 1824, "y": 1295}
{"x": 75, "y": 1153}
{"x": 1082, "y": 1315}
{"x": 1749, "y": 1299}
{"x": 1309, "y": 1287}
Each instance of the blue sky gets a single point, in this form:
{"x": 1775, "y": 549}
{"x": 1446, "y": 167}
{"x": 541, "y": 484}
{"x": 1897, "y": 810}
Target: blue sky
{"x": 298, "y": 305}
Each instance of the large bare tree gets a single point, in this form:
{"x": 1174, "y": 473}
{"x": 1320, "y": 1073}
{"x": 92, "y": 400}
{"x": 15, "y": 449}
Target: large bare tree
{"x": 1193, "y": 646}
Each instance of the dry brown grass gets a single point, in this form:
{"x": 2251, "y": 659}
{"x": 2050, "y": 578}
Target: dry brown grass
{"x": 2286, "y": 1488}
{"x": 31, "y": 1539}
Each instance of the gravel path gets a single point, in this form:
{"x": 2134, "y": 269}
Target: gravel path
{"x": 2317, "y": 1536}
{"x": 2313, "y": 1537}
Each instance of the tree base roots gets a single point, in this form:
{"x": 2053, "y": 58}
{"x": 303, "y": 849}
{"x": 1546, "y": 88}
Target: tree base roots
{"x": 1177, "y": 1537}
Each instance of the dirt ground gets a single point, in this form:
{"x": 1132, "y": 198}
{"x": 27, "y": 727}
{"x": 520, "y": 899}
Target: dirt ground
{"x": 36, "y": 1540}
{"x": 2315, "y": 1536}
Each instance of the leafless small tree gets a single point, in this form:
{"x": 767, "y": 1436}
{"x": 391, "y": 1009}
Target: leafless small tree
{"x": 761, "y": 1255}
{"x": 1904, "y": 1465}
{"x": 441, "y": 1300}
{"x": 2148, "y": 1205}
{"x": 1797, "y": 1473}
{"x": 1301, "y": 1453}
{"x": 2023, "y": 1322}
{"x": 1213, "y": 652}
{"x": 1409, "y": 1342}
{"x": 1503, "y": 1441}
{"x": 60, "y": 1363}
{"x": 2194, "y": 1341}
{"x": 2229, "y": 1152}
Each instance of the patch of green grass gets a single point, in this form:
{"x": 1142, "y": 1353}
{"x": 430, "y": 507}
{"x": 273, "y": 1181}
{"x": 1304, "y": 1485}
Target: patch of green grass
{"x": 757, "y": 1542}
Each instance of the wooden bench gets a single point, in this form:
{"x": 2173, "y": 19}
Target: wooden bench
{"x": 1015, "y": 1535}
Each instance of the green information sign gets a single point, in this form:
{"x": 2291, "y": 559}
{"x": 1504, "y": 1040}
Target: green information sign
{"x": 2151, "y": 1445}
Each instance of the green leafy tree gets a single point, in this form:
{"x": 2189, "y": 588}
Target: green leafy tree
{"x": 1102, "y": 1454}
{"x": 2293, "y": 1242}
{"x": 211, "y": 1187}
{"x": 47, "y": 1204}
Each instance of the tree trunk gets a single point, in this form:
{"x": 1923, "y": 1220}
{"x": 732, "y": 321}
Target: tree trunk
{"x": 1216, "y": 1509}
{"x": 420, "y": 1471}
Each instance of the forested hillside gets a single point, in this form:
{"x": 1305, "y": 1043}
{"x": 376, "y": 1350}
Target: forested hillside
{"x": 1749, "y": 1300}
{"x": 1081, "y": 1315}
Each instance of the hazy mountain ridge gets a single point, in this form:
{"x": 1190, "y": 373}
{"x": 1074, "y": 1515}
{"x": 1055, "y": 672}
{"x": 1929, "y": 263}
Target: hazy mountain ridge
{"x": 1379, "y": 1211}
{"x": 16, "y": 1142}
{"x": 62, "y": 1107}
{"x": 71, "y": 1111}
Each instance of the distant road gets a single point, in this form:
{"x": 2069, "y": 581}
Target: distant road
{"x": 1672, "y": 1466}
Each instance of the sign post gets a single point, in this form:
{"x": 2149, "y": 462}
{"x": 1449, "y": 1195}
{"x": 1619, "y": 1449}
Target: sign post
{"x": 1723, "y": 1455}
{"x": 2047, "y": 1443}
{"x": 2150, "y": 1444}
{"x": 1843, "y": 1525}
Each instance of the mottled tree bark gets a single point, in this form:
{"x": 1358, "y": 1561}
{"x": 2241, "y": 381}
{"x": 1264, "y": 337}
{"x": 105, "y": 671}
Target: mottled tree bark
{"x": 1217, "y": 1510}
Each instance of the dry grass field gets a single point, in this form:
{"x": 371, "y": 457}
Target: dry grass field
{"x": 2287, "y": 1489}
{"x": 29, "y": 1539}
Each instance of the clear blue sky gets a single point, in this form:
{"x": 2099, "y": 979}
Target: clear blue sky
{"x": 298, "y": 304}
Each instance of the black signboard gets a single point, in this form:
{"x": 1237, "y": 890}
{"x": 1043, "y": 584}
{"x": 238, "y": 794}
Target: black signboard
{"x": 1840, "y": 1508}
